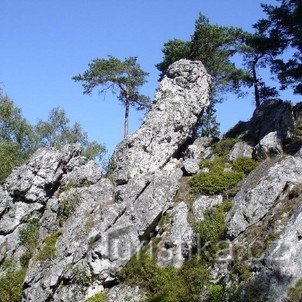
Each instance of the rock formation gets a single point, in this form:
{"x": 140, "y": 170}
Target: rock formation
{"x": 181, "y": 97}
{"x": 69, "y": 231}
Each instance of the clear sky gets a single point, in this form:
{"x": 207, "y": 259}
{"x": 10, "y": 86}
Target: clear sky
{"x": 44, "y": 43}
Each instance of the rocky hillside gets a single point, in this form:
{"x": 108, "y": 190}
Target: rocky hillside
{"x": 174, "y": 220}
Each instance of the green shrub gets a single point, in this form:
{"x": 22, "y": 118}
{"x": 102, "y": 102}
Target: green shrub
{"x": 29, "y": 236}
{"x": 295, "y": 293}
{"x": 218, "y": 163}
{"x": 212, "y": 228}
{"x": 215, "y": 182}
{"x": 166, "y": 284}
{"x": 216, "y": 293}
{"x": 10, "y": 157}
{"x": 244, "y": 164}
{"x": 48, "y": 251}
{"x": 11, "y": 286}
{"x": 99, "y": 297}
{"x": 224, "y": 146}
{"x": 67, "y": 207}
{"x": 141, "y": 270}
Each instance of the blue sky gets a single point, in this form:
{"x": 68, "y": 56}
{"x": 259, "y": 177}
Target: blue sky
{"x": 44, "y": 43}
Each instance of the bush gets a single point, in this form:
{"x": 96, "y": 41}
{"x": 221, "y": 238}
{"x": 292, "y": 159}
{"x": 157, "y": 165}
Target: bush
{"x": 224, "y": 146}
{"x": 141, "y": 270}
{"x": 10, "y": 157}
{"x": 215, "y": 182}
{"x": 166, "y": 284}
{"x": 49, "y": 249}
{"x": 212, "y": 228}
{"x": 67, "y": 207}
{"x": 11, "y": 286}
{"x": 216, "y": 293}
{"x": 99, "y": 297}
{"x": 295, "y": 293}
{"x": 218, "y": 163}
{"x": 244, "y": 164}
{"x": 29, "y": 236}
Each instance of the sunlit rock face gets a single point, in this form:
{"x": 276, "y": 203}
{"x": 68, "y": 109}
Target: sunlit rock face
{"x": 86, "y": 226}
{"x": 72, "y": 230}
{"x": 182, "y": 96}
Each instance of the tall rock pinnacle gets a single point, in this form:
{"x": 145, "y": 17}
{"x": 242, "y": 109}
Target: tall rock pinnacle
{"x": 182, "y": 96}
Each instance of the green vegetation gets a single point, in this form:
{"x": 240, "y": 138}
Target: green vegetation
{"x": 224, "y": 146}
{"x": 19, "y": 139}
{"x": 217, "y": 163}
{"x": 241, "y": 270}
{"x": 215, "y": 182}
{"x": 99, "y": 297}
{"x": 57, "y": 132}
{"x": 29, "y": 236}
{"x": 222, "y": 174}
{"x": 48, "y": 250}
{"x": 244, "y": 165}
{"x": 16, "y": 137}
{"x": 11, "y": 286}
{"x": 167, "y": 284}
{"x": 72, "y": 185}
{"x": 212, "y": 228}
{"x": 282, "y": 28}
{"x": 67, "y": 206}
{"x": 295, "y": 293}
{"x": 126, "y": 77}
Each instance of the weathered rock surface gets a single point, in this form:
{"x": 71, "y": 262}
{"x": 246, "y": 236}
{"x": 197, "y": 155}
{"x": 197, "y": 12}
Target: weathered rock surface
{"x": 283, "y": 260}
{"x": 125, "y": 294}
{"x": 241, "y": 149}
{"x": 203, "y": 203}
{"x": 269, "y": 146}
{"x": 26, "y": 192}
{"x": 101, "y": 235}
{"x": 201, "y": 148}
{"x": 98, "y": 227}
{"x": 271, "y": 116}
{"x": 181, "y": 97}
{"x": 177, "y": 241}
{"x": 260, "y": 192}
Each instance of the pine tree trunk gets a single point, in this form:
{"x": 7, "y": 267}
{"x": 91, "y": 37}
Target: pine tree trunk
{"x": 256, "y": 89}
{"x": 127, "y": 106}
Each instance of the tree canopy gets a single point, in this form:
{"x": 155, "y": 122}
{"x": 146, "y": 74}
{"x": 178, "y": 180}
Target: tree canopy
{"x": 19, "y": 139}
{"x": 122, "y": 77}
{"x": 283, "y": 26}
{"x": 214, "y": 45}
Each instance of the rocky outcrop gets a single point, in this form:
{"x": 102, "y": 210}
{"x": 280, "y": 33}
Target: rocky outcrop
{"x": 200, "y": 149}
{"x": 283, "y": 260}
{"x": 241, "y": 149}
{"x": 266, "y": 133}
{"x": 72, "y": 230}
{"x": 270, "y": 145}
{"x": 261, "y": 191}
{"x": 274, "y": 115}
{"x": 29, "y": 190}
{"x": 181, "y": 97}
{"x": 177, "y": 240}
{"x": 88, "y": 228}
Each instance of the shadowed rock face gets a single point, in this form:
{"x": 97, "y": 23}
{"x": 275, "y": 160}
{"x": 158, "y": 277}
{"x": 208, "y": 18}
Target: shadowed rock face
{"x": 181, "y": 97}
